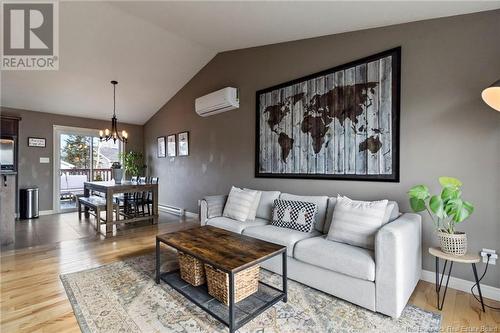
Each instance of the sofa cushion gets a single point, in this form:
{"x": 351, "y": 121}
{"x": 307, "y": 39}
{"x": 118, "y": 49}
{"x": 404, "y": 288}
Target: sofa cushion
{"x": 393, "y": 208}
{"x": 215, "y": 205}
{"x": 339, "y": 257}
{"x": 266, "y": 204}
{"x": 320, "y": 201}
{"x": 238, "y": 204}
{"x": 234, "y": 225}
{"x": 253, "y": 209}
{"x": 277, "y": 235}
{"x": 356, "y": 222}
{"x": 296, "y": 215}
{"x": 329, "y": 214}
{"x": 392, "y": 213}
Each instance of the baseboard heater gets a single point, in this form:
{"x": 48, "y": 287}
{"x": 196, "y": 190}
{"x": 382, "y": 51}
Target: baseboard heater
{"x": 172, "y": 210}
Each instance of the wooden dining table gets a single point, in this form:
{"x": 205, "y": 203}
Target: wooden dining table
{"x": 109, "y": 188}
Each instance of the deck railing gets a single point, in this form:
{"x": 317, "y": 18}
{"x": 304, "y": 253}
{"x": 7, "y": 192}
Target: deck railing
{"x": 97, "y": 174}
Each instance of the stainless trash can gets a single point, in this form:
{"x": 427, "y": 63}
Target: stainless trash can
{"x": 28, "y": 203}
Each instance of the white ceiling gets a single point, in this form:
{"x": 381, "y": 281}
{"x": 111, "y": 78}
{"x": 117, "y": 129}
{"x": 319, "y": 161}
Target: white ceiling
{"x": 154, "y": 48}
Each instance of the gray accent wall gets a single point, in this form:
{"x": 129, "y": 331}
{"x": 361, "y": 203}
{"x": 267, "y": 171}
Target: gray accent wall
{"x": 446, "y": 129}
{"x": 39, "y": 124}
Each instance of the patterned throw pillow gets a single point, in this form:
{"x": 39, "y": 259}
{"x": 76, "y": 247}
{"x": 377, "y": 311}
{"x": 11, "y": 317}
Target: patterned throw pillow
{"x": 356, "y": 222}
{"x": 239, "y": 203}
{"x": 297, "y": 215}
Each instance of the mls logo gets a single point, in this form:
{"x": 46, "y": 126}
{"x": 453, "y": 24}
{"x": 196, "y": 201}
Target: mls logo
{"x": 30, "y": 36}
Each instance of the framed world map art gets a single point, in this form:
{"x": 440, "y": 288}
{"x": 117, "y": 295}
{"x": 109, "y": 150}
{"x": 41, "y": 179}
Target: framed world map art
{"x": 342, "y": 123}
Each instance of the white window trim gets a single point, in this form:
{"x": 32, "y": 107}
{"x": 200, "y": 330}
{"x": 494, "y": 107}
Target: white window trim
{"x": 57, "y": 131}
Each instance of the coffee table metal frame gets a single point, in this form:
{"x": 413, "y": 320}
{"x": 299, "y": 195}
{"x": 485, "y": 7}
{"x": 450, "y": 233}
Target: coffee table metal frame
{"x": 232, "y": 324}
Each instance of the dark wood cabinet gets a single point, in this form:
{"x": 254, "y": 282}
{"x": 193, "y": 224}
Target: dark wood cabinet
{"x": 9, "y": 126}
{"x": 9, "y": 129}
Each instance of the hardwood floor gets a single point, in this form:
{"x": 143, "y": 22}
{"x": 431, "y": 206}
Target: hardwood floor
{"x": 33, "y": 298}
{"x": 62, "y": 227}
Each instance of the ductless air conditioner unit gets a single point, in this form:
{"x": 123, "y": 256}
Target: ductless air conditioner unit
{"x": 219, "y": 101}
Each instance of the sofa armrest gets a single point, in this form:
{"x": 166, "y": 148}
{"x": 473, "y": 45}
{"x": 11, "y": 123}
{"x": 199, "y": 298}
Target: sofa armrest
{"x": 211, "y": 206}
{"x": 398, "y": 260}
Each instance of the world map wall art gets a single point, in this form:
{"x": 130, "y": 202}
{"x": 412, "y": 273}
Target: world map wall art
{"x": 342, "y": 123}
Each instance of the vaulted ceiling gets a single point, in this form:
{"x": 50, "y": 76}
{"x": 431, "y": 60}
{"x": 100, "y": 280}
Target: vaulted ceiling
{"x": 154, "y": 48}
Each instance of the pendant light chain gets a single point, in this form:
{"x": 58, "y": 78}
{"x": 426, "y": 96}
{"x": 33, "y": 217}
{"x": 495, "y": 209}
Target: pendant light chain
{"x": 114, "y": 100}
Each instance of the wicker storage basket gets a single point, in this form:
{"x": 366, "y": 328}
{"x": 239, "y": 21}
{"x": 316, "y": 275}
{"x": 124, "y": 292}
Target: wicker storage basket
{"x": 192, "y": 270}
{"x": 455, "y": 244}
{"x": 246, "y": 283}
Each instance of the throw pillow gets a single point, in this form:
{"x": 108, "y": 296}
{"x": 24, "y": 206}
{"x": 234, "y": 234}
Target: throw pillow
{"x": 215, "y": 205}
{"x": 297, "y": 215}
{"x": 356, "y": 222}
{"x": 255, "y": 205}
{"x": 239, "y": 203}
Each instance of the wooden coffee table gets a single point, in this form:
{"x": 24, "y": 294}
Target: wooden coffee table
{"x": 229, "y": 252}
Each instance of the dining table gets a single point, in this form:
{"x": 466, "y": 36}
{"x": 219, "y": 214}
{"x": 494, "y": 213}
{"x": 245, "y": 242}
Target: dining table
{"x": 110, "y": 188}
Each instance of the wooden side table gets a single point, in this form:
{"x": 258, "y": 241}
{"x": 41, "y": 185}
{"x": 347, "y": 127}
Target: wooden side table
{"x": 465, "y": 259}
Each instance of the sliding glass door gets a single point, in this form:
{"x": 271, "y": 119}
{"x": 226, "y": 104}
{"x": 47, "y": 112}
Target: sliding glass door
{"x": 79, "y": 157}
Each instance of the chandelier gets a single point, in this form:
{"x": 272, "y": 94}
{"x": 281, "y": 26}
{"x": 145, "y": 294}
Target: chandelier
{"x": 114, "y": 134}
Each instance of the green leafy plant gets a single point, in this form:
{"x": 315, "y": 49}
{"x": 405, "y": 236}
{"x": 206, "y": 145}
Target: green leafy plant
{"x": 133, "y": 163}
{"x": 446, "y": 209}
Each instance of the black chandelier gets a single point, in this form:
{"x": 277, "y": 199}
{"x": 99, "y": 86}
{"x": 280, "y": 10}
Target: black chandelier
{"x": 114, "y": 135}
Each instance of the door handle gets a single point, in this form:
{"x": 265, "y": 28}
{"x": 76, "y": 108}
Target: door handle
{"x": 5, "y": 180}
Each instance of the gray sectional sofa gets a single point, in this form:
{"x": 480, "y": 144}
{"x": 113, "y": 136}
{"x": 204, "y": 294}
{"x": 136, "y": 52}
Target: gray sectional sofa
{"x": 381, "y": 280}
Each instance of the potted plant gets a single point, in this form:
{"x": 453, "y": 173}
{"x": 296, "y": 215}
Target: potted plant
{"x": 446, "y": 210}
{"x": 117, "y": 172}
{"x": 133, "y": 163}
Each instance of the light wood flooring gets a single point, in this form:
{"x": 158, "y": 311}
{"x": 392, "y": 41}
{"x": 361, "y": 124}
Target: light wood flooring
{"x": 33, "y": 298}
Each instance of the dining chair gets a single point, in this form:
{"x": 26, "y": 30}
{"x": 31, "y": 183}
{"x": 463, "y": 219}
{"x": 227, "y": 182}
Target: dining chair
{"x": 132, "y": 202}
{"x": 149, "y": 195}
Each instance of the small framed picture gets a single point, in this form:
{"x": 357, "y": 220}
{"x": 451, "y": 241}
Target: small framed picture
{"x": 161, "y": 147}
{"x": 183, "y": 143}
{"x": 171, "y": 146}
{"x": 36, "y": 142}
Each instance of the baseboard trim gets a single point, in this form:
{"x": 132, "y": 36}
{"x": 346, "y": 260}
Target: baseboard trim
{"x": 46, "y": 212}
{"x": 172, "y": 210}
{"x": 191, "y": 215}
{"x": 463, "y": 285}
{"x": 177, "y": 211}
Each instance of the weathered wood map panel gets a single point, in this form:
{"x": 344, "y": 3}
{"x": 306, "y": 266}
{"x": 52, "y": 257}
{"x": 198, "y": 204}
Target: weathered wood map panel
{"x": 342, "y": 123}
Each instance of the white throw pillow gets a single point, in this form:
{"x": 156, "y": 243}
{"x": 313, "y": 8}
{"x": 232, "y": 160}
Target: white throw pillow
{"x": 239, "y": 203}
{"x": 356, "y": 222}
{"x": 255, "y": 205}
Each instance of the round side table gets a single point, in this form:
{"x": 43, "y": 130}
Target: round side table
{"x": 465, "y": 259}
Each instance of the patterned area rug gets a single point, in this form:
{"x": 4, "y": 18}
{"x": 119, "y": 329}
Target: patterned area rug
{"x": 123, "y": 297}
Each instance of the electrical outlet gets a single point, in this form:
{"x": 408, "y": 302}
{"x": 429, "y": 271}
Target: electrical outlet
{"x": 493, "y": 256}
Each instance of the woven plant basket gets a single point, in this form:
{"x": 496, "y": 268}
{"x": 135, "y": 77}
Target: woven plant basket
{"x": 246, "y": 283}
{"x": 192, "y": 270}
{"x": 455, "y": 244}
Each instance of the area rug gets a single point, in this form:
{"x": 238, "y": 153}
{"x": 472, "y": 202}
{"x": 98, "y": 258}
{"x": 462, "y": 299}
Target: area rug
{"x": 123, "y": 297}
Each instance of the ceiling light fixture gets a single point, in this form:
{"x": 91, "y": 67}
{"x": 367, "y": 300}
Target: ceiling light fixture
{"x": 114, "y": 135}
{"x": 491, "y": 95}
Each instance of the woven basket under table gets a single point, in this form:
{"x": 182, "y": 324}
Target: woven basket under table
{"x": 246, "y": 283}
{"x": 192, "y": 270}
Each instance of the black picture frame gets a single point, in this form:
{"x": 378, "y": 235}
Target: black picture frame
{"x": 169, "y": 153}
{"x": 395, "y": 53}
{"x": 161, "y": 144}
{"x": 37, "y": 142}
{"x": 183, "y": 150}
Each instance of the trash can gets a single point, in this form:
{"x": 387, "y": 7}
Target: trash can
{"x": 28, "y": 203}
